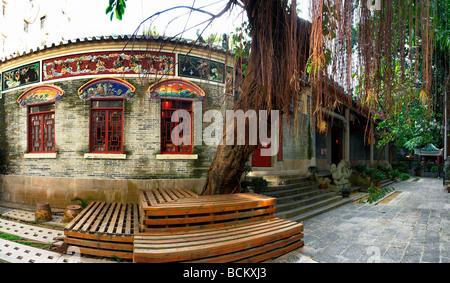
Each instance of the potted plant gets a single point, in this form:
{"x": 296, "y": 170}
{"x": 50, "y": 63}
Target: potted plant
{"x": 259, "y": 184}
{"x": 322, "y": 183}
{"x": 313, "y": 170}
{"x": 378, "y": 177}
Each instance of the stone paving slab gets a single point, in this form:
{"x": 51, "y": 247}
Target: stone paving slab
{"x": 412, "y": 227}
{"x": 18, "y": 253}
{"x": 28, "y": 216}
{"x": 31, "y": 232}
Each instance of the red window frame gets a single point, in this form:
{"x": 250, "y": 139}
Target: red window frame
{"x": 168, "y": 106}
{"x": 111, "y": 135}
{"x": 40, "y": 143}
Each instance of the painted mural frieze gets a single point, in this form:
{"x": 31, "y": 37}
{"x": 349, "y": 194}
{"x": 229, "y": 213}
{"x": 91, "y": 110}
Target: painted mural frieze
{"x": 101, "y": 63}
{"x": 201, "y": 68}
{"x": 20, "y": 76}
{"x": 106, "y": 88}
{"x": 40, "y": 94}
{"x": 176, "y": 88}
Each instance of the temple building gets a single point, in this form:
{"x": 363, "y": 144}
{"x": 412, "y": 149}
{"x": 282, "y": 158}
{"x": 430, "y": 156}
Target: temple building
{"x": 93, "y": 118}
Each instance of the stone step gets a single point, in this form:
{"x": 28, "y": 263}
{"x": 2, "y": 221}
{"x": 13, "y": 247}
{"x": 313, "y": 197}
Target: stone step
{"x": 281, "y": 180}
{"x": 302, "y": 205}
{"x": 319, "y": 210}
{"x": 287, "y": 193}
{"x": 293, "y": 186}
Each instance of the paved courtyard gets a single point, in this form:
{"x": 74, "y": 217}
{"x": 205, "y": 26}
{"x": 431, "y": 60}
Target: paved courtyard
{"x": 414, "y": 227}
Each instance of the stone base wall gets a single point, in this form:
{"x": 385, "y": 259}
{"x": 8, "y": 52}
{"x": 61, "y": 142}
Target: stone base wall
{"x": 59, "y": 191}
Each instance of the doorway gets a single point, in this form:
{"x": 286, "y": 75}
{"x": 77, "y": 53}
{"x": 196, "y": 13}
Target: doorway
{"x": 336, "y": 145}
{"x": 261, "y": 161}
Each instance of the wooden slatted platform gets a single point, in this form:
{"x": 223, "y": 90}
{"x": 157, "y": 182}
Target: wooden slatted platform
{"x": 104, "y": 229}
{"x": 190, "y": 213}
{"x": 177, "y": 225}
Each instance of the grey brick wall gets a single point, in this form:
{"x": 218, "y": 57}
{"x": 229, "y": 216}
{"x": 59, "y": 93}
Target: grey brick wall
{"x": 141, "y": 138}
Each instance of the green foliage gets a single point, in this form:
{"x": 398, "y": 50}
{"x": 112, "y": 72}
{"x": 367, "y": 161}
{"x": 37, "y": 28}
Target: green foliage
{"x": 360, "y": 168}
{"x": 404, "y": 176}
{"x": 83, "y": 203}
{"x": 377, "y": 193}
{"x": 434, "y": 168}
{"x": 241, "y": 42}
{"x": 402, "y": 168}
{"x": 259, "y": 184}
{"x": 313, "y": 169}
{"x": 379, "y": 176}
{"x": 417, "y": 166}
{"x": 116, "y": 7}
{"x": 370, "y": 171}
{"x": 395, "y": 173}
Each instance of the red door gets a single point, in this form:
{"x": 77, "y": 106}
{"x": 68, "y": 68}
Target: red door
{"x": 261, "y": 161}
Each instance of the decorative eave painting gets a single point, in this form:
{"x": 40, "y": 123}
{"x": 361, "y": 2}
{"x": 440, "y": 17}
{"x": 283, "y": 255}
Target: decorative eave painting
{"x": 105, "y": 63}
{"x": 40, "y": 94}
{"x": 106, "y": 88}
{"x": 21, "y": 76}
{"x": 177, "y": 89}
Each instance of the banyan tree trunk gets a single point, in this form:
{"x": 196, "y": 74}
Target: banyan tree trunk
{"x": 278, "y": 55}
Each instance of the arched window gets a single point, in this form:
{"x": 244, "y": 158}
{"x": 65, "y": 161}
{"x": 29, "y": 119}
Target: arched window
{"x": 107, "y": 98}
{"x": 40, "y": 101}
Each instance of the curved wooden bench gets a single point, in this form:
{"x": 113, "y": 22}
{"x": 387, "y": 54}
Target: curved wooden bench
{"x": 251, "y": 242}
{"x": 217, "y": 228}
{"x": 177, "y": 225}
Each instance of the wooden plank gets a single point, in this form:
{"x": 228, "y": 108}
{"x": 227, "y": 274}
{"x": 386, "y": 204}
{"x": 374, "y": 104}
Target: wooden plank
{"x": 207, "y": 240}
{"x": 100, "y": 237}
{"x": 185, "y": 229}
{"x": 188, "y": 193}
{"x": 158, "y": 196}
{"x": 209, "y": 234}
{"x": 168, "y": 209}
{"x": 112, "y": 224}
{"x": 79, "y": 216}
{"x": 193, "y": 219}
{"x": 100, "y": 244}
{"x": 143, "y": 202}
{"x": 182, "y": 236}
{"x": 121, "y": 219}
{"x": 184, "y": 253}
{"x": 151, "y": 198}
{"x": 166, "y": 197}
{"x": 178, "y": 193}
{"x": 258, "y": 254}
{"x": 107, "y": 218}
{"x": 86, "y": 216}
{"x": 128, "y": 220}
{"x": 99, "y": 218}
{"x": 106, "y": 253}
{"x": 136, "y": 223}
{"x": 274, "y": 253}
{"x": 171, "y": 194}
{"x": 92, "y": 217}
